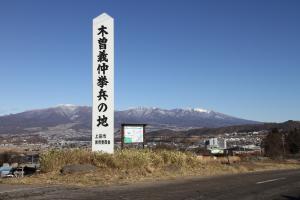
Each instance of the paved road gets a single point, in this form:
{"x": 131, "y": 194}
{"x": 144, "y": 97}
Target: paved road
{"x": 263, "y": 185}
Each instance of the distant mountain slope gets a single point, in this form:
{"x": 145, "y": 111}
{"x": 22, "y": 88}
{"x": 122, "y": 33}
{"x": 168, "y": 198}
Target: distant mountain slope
{"x": 285, "y": 126}
{"x": 178, "y": 118}
{"x": 80, "y": 118}
{"x": 44, "y": 118}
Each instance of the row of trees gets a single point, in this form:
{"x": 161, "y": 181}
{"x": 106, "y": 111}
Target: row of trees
{"x": 280, "y": 143}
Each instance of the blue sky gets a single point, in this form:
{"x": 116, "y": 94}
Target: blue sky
{"x": 238, "y": 57}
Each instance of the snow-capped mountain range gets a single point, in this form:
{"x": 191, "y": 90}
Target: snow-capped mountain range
{"x": 80, "y": 117}
{"x": 178, "y": 118}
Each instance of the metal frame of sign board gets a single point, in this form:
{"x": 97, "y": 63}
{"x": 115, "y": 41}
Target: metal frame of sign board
{"x": 133, "y": 125}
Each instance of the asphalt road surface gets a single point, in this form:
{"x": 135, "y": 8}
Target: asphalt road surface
{"x": 262, "y": 185}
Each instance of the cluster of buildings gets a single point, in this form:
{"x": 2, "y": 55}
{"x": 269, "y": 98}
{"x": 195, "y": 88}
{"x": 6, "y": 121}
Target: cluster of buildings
{"x": 233, "y": 143}
{"x": 236, "y": 143}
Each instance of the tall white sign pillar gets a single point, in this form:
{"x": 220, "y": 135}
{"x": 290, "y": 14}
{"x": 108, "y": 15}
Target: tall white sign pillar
{"x": 103, "y": 84}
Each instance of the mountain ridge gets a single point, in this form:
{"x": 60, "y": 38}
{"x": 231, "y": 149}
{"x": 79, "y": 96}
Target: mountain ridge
{"x": 81, "y": 117}
{"x": 286, "y": 126}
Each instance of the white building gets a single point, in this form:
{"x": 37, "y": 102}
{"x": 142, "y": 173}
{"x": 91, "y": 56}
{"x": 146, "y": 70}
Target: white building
{"x": 216, "y": 145}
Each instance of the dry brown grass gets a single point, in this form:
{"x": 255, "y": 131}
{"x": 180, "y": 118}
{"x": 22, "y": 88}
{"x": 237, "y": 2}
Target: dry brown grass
{"x": 138, "y": 165}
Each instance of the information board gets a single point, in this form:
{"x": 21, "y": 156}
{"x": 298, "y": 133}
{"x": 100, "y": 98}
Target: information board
{"x": 133, "y": 134}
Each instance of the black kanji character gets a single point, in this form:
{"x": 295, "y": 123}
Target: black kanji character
{"x": 102, "y": 43}
{"x": 102, "y": 30}
{"x": 102, "y": 94}
{"x": 102, "y": 81}
{"x": 102, "y": 107}
{"x": 102, "y": 68}
{"x": 102, "y": 121}
{"x": 102, "y": 56}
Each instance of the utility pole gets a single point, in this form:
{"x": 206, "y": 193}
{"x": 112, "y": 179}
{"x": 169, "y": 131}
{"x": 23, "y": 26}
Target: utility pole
{"x": 283, "y": 145}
